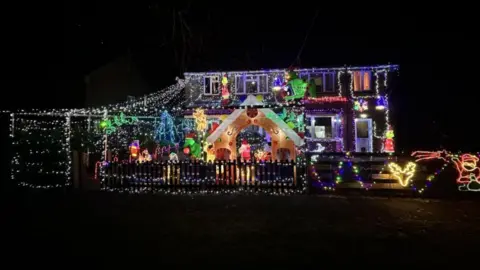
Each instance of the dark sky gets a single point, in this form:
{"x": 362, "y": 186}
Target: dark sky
{"x": 51, "y": 48}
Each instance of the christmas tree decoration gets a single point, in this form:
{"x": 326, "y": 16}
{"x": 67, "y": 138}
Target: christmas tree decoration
{"x": 166, "y": 130}
{"x": 403, "y": 175}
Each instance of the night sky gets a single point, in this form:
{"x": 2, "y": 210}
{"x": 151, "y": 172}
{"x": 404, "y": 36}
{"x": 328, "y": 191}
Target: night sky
{"x": 51, "y": 48}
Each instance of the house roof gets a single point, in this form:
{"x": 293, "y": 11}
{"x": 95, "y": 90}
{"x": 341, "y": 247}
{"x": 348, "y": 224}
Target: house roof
{"x": 325, "y": 69}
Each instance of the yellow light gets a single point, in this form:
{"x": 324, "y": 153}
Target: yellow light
{"x": 200, "y": 119}
{"x": 380, "y": 107}
{"x": 403, "y": 175}
{"x": 363, "y": 115}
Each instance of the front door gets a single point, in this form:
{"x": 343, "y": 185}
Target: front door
{"x": 363, "y": 135}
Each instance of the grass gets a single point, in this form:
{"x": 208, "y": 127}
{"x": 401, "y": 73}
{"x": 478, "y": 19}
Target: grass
{"x": 240, "y": 230}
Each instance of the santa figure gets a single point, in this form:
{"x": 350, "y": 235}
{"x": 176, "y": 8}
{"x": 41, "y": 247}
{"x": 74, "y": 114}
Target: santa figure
{"x": 225, "y": 92}
{"x": 244, "y": 150}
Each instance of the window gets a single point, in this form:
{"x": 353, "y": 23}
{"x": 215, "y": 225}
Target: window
{"x": 362, "y": 129}
{"x": 251, "y": 84}
{"x": 211, "y": 85}
{"x": 362, "y": 81}
{"x": 325, "y": 82}
{"x": 320, "y": 127}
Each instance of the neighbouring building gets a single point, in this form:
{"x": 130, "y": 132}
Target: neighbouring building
{"x": 113, "y": 82}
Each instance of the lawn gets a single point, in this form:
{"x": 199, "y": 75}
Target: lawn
{"x": 238, "y": 230}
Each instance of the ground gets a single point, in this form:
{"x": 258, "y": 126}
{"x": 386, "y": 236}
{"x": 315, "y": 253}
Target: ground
{"x": 238, "y": 230}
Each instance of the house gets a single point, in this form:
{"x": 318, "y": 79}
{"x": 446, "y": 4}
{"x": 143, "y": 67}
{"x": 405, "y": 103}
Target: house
{"x": 344, "y": 109}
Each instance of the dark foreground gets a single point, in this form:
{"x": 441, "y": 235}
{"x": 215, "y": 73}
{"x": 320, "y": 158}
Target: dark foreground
{"x": 112, "y": 229}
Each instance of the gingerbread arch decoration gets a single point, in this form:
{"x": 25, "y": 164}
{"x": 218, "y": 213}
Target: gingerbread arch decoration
{"x": 281, "y": 134}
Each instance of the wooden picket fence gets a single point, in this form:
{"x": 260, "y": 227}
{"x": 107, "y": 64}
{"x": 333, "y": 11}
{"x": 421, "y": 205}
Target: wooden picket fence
{"x": 198, "y": 176}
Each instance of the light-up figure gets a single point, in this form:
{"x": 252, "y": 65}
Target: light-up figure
{"x": 261, "y": 155}
{"x": 145, "y": 156}
{"x": 468, "y": 172}
{"x": 244, "y": 150}
{"x": 134, "y": 149}
{"x": 467, "y": 166}
{"x": 388, "y": 145}
{"x": 403, "y": 175}
{"x": 200, "y": 119}
{"x": 320, "y": 148}
{"x": 191, "y": 147}
{"x": 225, "y": 92}
{"x": 173, "y": 156}
{"x": 298, "y": 86}
{"x": 210, "y": 150}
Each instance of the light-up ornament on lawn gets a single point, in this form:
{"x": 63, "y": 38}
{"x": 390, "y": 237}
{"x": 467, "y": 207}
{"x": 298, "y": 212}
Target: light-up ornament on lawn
{"x": 134, "y": 149}
{"x": 468, "y": 172}
{"x": 320, "y": 148}
{"x": 403, "y": 175}
{"x": 261, "y": 155}
{"x": 191, "y": 147}
{"x": 244, "y": 150}
{"x": 145, "y": 156}
{"x": 388, "y": 145}
{"x": 210, "y": 150}
{"x": 173, "y": 156}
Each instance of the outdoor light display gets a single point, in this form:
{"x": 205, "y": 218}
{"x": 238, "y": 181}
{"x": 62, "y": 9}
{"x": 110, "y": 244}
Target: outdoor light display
{"x": 403, "y": 175}
{"x": 466, "y": 165}
{"x": 388, "y": 142}
{"x": 134, "y": 149}
{"x": 242, "y": 135}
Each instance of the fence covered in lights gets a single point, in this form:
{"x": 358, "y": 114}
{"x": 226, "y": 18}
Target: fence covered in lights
{"x": 300, "y": 141}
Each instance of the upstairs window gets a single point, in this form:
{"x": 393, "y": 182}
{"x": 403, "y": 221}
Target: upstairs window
{"x": 325, "y": 82}
{"x": 362, "y": 81}
{"x": 211, "y": 85}
{"x": 251, "y": 84}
